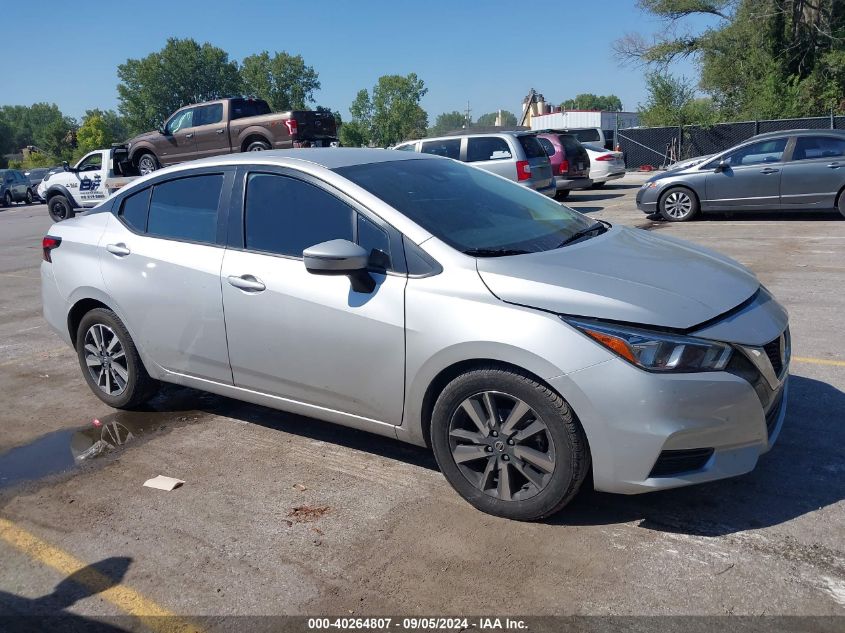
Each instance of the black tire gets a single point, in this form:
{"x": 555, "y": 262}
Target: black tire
{"x": 678, "y": 204}
{"x": 841, "y": 203}
{"x": 29, "y": 196}
{"x": 7, "y": 199}
{"x": 146, "y": 163}
{"x": 569, "y": 449}
{"x": 138, "y": 387}
{"x": 598, "y": 185}
{"x": 59, "y": 208}
{"x": 563, "y": 194}
{"x": 257, "y": 146}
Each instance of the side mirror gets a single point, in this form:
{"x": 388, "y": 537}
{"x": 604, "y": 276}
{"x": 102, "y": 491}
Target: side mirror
{"x": 162, "y": 130}
{"x": 65, "y": 165}
{"x": 722, "y": 166}
{"x": 340, "y": 257}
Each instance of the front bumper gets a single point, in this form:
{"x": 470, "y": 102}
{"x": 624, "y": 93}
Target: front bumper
{"x": 645, "y": 416}
{"x": 647, "y": 200}
{"x": 567, "y": 184}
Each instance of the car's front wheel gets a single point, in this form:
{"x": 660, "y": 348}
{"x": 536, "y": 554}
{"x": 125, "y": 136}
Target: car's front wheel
{"x": 508, "y": 444}
{"x": 110, "y": 362}
{"x": 29, "y": 196}
{"x": 59, "y": 208}
{"x": 7, "y": 199}
{"x": 678, "y": 204}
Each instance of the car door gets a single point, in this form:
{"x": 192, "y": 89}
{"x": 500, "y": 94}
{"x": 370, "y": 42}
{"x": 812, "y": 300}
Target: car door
{"x": 21, "y": 184}
{"x": 750, "y": 178}
{"x": 178, "y": 143}
{"x": 160, "y": 258}
{"x": 307, "y": 338}
{"x": 210, "y": 131}
{"x": 815, "y": 174}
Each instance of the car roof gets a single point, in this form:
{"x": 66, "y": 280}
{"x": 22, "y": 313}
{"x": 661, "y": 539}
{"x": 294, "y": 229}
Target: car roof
{"x": 328, "y": 157}
{"x": 799, "y": 132}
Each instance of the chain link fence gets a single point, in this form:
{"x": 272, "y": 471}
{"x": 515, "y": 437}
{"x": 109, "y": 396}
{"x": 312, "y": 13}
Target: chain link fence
{"x": 659, "y": 147}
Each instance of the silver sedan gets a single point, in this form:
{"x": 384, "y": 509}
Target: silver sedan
{"x": 425, "y": 300}
{"x": 795, "y": 170}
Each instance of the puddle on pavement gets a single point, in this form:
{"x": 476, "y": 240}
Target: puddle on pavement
{"x": 65, "y": 449}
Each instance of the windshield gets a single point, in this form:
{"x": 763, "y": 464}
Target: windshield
{"x": 469, "y": 209}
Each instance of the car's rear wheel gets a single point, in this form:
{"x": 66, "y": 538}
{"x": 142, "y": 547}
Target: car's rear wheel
{"x": 59, "y": 208}
{"x": 147, "y": 164}
{"x": 28, "y": 196}
{"x": 563, "y": 194}
{"x": 258, "y": 146}
{"x": 7, "y": 199}
{"x": 678, "y": 205}
{"x": 508, "y": 444}
{"x": 598, "y": 185}
{"x": 841, "y": 203}
{"x": 110, "y": 361}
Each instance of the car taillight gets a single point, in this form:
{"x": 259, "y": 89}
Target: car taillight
{"x": 48, "y": 244}
{"x": 523, "y": 170}
{"x": 290, "y": 124}
{"x": 606, "y": 157}
{"x": 564, "y": 166}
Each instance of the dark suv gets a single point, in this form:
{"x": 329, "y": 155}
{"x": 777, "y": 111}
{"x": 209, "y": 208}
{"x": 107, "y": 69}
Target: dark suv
{"x": 14, "y": 187}
{"x": 570, "y": 162}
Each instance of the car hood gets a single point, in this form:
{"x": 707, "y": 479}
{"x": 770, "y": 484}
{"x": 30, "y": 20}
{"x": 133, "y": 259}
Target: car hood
{"x": 146, "y": 136}
{"x": 627, "y": 275}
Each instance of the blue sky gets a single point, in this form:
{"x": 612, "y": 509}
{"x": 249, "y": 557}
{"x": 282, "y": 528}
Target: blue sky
{"x": 490, "y": 53}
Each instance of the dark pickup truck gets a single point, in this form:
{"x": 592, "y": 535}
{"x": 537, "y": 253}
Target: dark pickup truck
{"x": 227, "y": 126}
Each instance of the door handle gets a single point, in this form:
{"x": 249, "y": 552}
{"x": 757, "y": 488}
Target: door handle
{"x": 834, "y": 165}
{"x": 247, "y": 282}
{"x": 189, "y": 135}
{"x": 769, "y": 170}
{"x": 118, "y": 249}
{"x": 220, "y": 131}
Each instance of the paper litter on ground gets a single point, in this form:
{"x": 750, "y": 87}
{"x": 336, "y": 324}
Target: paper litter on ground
{"x": 161, "y": 482}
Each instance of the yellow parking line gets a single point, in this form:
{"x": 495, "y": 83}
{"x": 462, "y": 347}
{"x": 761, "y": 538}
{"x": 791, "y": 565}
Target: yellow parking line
{"x": 819, "y": 361}
{"x": 153, "y": 616}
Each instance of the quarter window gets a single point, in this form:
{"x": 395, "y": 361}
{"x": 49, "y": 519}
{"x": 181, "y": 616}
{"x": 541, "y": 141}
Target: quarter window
{"x": 285, "y": 216}
{"x": 134, "y": 209}
{"x": 487, "y": 148}
{"x": 809, "y": 147}
{"x": 450, "y": 148}
{"x": 186, "y": 209}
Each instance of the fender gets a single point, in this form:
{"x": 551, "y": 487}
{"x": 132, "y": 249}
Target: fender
{"x": 146, "y": 146}
{"x": 253, "y": 130}
{"x": 54, "y": 190}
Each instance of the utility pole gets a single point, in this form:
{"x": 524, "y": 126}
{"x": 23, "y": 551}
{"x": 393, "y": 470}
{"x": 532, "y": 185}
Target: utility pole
{"x": 467, "y": 119}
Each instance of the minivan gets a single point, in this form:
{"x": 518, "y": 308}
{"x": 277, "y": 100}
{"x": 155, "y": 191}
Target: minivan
{"x": 517, "y": 156}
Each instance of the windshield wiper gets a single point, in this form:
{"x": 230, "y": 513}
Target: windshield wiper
{"x": 600, "y": 226}
{"x": 494, "y": 252}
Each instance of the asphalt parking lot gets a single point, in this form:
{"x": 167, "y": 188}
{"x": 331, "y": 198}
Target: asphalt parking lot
{"x": 285, "y": 515}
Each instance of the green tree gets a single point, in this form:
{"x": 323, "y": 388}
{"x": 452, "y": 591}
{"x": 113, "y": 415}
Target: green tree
{"x": 757, "y": 58}
{"x": 508, "y": 119}
{"x": 447, "y": 122}
{"x": 112, "y": 122}
{"x": 181, "y": 73}
{"x": 354, "y": 134}
{"x": 337, "y": 118}
{"x": 392, "y": 112}
{"x": 672, "y": 101}
{"x": 589, "y": 101}
{"x": 283, "y": 80}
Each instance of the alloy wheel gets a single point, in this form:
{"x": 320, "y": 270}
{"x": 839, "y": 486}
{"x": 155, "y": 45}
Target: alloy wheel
{"x": 678, "y": 204}
{"x": 106, "y": 359}
{"x": 146, "y": 165}
{"x": 501, "y": 446}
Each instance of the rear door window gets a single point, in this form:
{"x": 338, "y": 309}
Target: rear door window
{"x": 284, "y": 216}
{"x": 133, "y": 210}
{"x": 809, "y": 147}
{"x": 186, "y": 209}
{"x": 208, "y": 115}
{"x": 571, "y": 147}
{"x": 242, "y": 108}
{"x": 487, "y": 148}
{"x": 531, "y": 146}
{"x": 450, "y": 148}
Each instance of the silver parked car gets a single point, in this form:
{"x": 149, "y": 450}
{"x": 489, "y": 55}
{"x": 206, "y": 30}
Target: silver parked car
{"x": 793, "y": 170}
{"x": 424, "y": 300}
{"x": 517, "y": 156}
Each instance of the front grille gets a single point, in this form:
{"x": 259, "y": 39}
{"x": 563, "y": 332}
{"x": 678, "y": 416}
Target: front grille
{"x": 773, "y": 351}
{"x": 774, "y": 413}
{"x": 671, "y": 463}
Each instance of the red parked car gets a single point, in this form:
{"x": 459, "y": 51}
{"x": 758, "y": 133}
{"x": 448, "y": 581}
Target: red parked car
{"x": 570, "y": 162}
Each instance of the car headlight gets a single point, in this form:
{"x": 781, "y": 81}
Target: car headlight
{"x": 649, "y": 185}
{"x": 656, "y": 351}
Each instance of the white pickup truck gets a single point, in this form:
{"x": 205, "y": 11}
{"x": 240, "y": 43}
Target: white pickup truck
{"x": 97, "y": 175}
